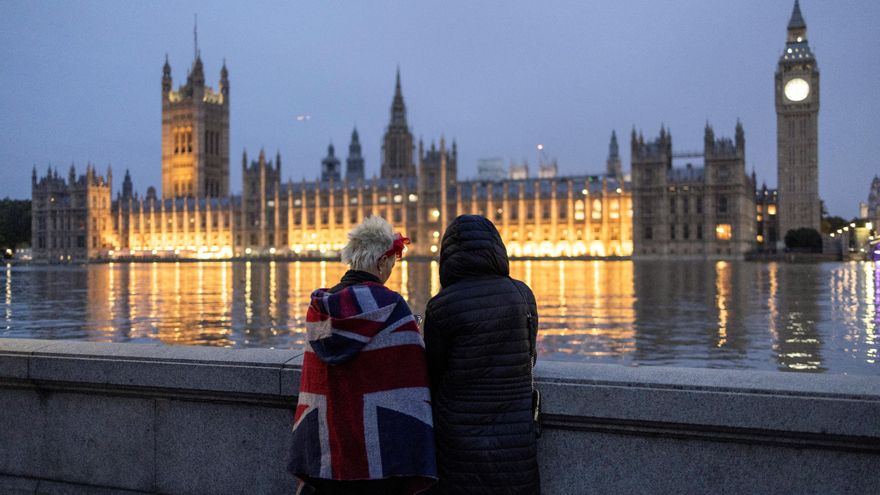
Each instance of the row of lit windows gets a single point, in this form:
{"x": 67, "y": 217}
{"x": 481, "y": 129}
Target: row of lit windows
{"x": 183, "y": 188}
{"x": 183, "y": 140}
{"x": 723, "y": 232}
{"x": 771, "y": 210}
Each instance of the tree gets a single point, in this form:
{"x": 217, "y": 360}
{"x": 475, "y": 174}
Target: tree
{"x": 831, "y": 224}
{"x": 803, "y": 240}
{"x": 15, "y": 223}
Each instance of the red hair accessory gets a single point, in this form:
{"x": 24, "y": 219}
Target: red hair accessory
{"x": 398, "y": 246}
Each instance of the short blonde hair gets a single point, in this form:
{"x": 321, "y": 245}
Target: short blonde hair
{"x": 367, "y": 242}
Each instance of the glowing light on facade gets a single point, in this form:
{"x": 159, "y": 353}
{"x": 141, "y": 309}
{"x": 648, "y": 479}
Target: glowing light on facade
{"x": 722, "y": 294}
{"x": 8, "y": 296}
{"x": 723, "y": 232}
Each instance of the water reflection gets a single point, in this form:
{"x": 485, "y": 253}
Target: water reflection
{"x": 8, "y": 306}
{"x": 871, "y": 324}
{"x": 806, "y": 317}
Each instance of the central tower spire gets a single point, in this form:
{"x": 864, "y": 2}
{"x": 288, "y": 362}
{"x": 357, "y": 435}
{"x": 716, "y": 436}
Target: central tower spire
{"x": 196, "y": 37}
{"x": 398, "y": 108}
{"x": 397, "y": 148}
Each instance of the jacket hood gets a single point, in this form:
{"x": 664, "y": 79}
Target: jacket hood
{"x": 340, "y": 324}
{"x": 471, "y": 247}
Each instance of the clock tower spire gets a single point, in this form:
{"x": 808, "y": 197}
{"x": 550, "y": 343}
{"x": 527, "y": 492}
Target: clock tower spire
{"x": 797, "y": 112}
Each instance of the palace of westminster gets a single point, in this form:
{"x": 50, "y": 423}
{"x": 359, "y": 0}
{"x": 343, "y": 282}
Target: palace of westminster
{"x": 711, "y": 211}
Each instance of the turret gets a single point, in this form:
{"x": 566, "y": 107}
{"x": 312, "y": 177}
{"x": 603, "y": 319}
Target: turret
{"x": 197, "y": 76}
{"x": 34, "y": 176}
{"x": 708, "y": 139}
{"x": 613, "y": 165}
{"x": 71, "y": 175}
{"x": 740, "y": 139}
{"x": 330, "y": 166}
{"x": 354, "y": 164}
{"x": 224, "y": 81}
{"x": 127, "y": 186}
{"x": 166, "y": 78}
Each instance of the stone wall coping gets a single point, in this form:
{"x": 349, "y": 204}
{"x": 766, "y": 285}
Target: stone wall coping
{"x": 264, "y": 372}
{"x": 576, "y": 395}
{"x": 862, "y": 387}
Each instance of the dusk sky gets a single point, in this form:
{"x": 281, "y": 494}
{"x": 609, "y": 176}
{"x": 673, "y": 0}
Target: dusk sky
{"x": 81, "y": 81}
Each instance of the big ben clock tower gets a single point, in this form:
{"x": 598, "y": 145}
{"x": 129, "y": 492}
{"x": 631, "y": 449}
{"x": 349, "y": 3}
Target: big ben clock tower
{"x": 797, "y": 112}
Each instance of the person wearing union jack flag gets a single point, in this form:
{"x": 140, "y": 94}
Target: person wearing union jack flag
{"x": 363, "y": 421}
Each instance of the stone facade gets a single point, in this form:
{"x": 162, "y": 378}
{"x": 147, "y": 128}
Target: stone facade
{"x": 797, "y": 131}
{"x": 71, "y": 220}
{"x": 706, "y": 211}
{"x": 197, "y": 217}
{"x": 195, "y": 135}
{"x": 767, "y": 208}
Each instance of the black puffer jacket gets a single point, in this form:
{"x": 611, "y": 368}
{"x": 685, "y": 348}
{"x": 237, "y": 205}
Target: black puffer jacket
{"x": 478, "y": 342}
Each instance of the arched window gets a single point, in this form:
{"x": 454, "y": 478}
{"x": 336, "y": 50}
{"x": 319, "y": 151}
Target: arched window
{"x": 579, "y": 210}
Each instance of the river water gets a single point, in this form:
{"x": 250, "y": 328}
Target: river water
{"x": 821, "y": 317}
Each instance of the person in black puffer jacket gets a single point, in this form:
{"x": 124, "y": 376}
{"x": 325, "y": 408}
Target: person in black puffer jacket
{"x": 479, "y": 343}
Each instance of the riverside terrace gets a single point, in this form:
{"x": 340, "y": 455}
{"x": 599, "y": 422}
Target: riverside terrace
{"x": 81, "y": 417}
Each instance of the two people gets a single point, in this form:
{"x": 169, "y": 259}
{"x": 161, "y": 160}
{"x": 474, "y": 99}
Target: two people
{"x": 382, "y": 411}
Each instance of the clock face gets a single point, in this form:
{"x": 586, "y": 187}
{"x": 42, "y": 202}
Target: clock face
{"x": 797, "y": 89}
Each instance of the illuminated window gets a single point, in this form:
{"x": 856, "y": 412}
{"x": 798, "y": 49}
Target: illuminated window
{"x": 579, "y": 210}
{"x": 723, "y": 232}
{"x": 771, "y": 209}
{"x": 760, "y": 238}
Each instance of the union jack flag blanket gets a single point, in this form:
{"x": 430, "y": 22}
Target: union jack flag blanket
{"x": 364, "y": 410}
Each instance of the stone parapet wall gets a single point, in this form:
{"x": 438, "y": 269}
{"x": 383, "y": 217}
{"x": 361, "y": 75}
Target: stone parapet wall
{"x": 79, "y": 417}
